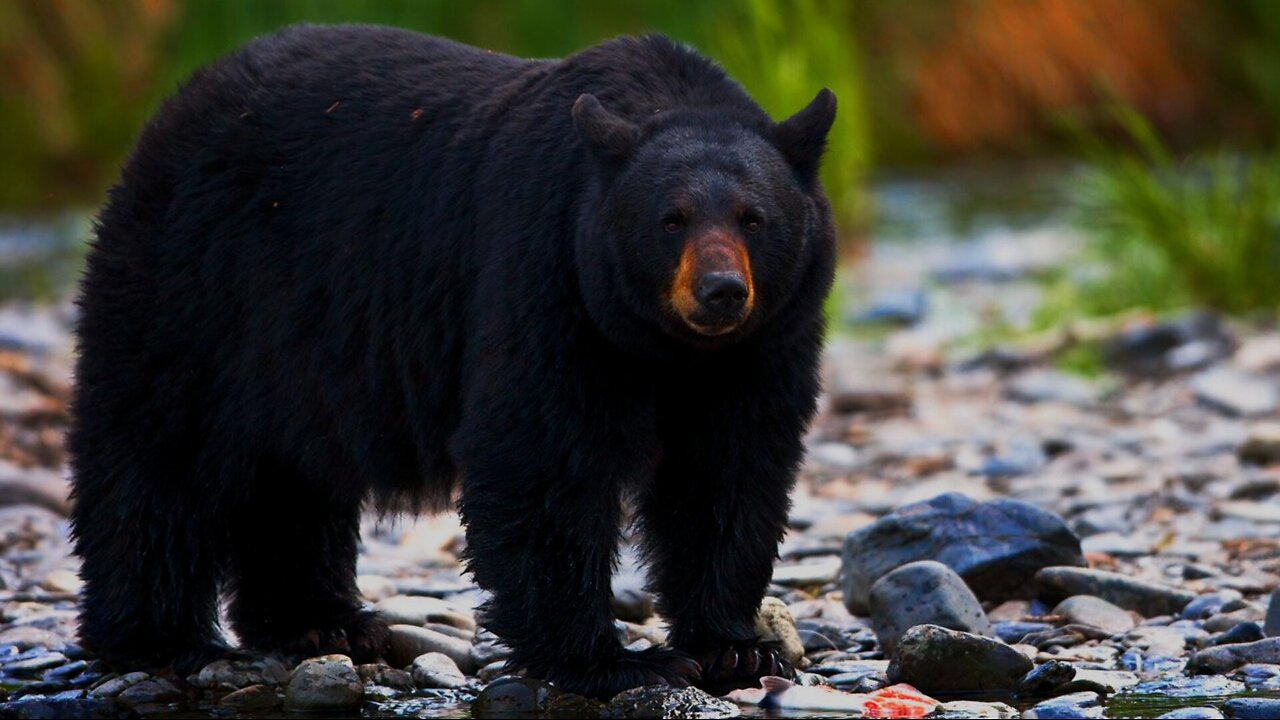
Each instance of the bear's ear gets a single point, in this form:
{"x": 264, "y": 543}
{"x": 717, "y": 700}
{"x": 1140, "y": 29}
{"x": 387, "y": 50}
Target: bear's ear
{"x": 609, "y": 136}
{"x": 802, "y": 137}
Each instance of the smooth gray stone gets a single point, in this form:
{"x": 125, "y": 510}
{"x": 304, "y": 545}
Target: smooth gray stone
{"x": 923, "y": 593}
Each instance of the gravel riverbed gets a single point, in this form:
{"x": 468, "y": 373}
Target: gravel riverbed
{"x": 1008, "y": 539}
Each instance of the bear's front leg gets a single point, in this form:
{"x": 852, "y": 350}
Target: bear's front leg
{"x": 542, "y": 508}
{"x": 717, "y": 509}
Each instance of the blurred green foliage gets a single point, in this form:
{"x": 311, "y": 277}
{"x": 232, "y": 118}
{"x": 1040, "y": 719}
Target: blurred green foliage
{"x": 1173, "y": 233}
{"x": 783, "y": 53}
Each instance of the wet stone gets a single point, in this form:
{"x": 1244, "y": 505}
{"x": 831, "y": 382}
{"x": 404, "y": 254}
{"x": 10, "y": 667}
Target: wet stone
{"x": 1074, "y": 705}
{"x": 1245, "y": 632}
{"x": 1225, "y": 658}
{"x": 90, "y": 708}
{"x": 1188, "y": 686}
{"x": 236, "y": 674}
{"x": 1096, "y": 612}
{"x": 1204, "y": 606}
{"x": 32, "y": 666}
{"x": 1145, "y": 598}
{"x": 117, "y": 685}
{"x": 407, "y": 642}
{"x": 1251, "y": 708}
{"x": 1045, "y": 678}
{"x": 436, "y": 670}
{"x": 923, "y": 593}
{"x": 254, "y": 697}
{"x": 1192, "y": 713}
{"x": 996, "y": 546}
{"x": 959, "y": 709}
{"x": 385, "y": 676}
{"x": 324, "y": 683}
{"x": 935, "y": 659}
{"x": 151, "y": 690}
{"x": 512, "y": 697}
{"x": 666, "y": 702}
{"x": 420, "y": 610}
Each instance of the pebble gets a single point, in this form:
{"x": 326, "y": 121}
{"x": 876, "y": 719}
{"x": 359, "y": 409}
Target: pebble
{"x": 253, "y": 697}
{"x": 117, "y": 685}
{"x": 56, "y": 708}
{"x": 925, "y": 592}
{"x": 1225, "y": 658}
{"x": 407, "y": 642}
{"x": 657, "y": 701}
{"x": 510, "y": 696}
{"x": 151, "y": 690}
{"x": 375, "y": 588}
{"x": 1094, "y": 611}
{"x": 436, "y": 670}
{"x": 935, "y": 659}
{"x": 1145, "y": 598}
{"x": 1042, "y": 680}
{"x": 385, "y": 676}
{"x": 1192, "y": 713}
{"x": 1209, "y": 604}
{"x": 237, "y": 674}
{"x": 996, "y": 546}
{"x": 1258, "y": 708}
{"x": 1262, "y": 445}
{"x": 975, "y": 710}
{"x": 1074, "y": 705}
{"x": 419, "y": 610}
{"x": 1235, "y": 392}
{"x": 328, "y": 682}
{"x": 774, "y": 624}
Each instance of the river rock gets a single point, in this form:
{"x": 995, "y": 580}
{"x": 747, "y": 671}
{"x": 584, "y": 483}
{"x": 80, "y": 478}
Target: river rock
{"x": 923, "y": 593}
{"x": 1271, "y": 626}
{"x": 328, "y": 682}
{"x": 1225, "y": 658}
{"x": 1258, "y": 708}
{"x": 420, "y": 610}
{"x": 1235, "y": 392}
{"x": 1096, "y": 612}
{"x": 512, "y": 696}
{"x": 1074, "y": 705}
{"x": 1192, "y": 713}
{"x": 436, "y": 670}
{"x": 774, "y": 624}
{"x": 1145, "y": 598}
{"x": 236, "y": 674}
{"x": 406, "y": 642}
{"x": 149, "y": 691}
{"x": 996, "y": 546}
{"x": 935, "y": 659}
{"x": 973, "y": 710}
{"x": 254, "y": 697}
{"x": 1045, "y": 678}
{"x": 1262, "y": 445}
{"x": 658, "y": 701}
{"x": 117, "y": 685}
{"x": 56, "y": 708}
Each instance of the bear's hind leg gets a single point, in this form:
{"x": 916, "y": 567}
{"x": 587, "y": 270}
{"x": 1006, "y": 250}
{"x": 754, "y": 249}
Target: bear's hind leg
{"x": 150, "y": 567}
{"x": 292, "y": 573}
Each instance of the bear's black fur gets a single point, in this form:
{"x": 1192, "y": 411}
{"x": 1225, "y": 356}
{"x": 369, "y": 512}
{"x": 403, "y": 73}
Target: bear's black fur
{"x": 353, "y": 262}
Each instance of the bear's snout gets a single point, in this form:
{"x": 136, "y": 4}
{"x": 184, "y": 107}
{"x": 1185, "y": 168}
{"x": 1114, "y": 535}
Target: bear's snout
{"x": 713, "y": 291}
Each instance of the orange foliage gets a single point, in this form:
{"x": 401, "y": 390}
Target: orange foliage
{"x": 1004, "y": 67}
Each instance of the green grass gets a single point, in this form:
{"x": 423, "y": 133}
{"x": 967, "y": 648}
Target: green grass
{"x": 1174, "y": 233}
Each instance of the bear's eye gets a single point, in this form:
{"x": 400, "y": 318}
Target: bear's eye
{"x": 751, "y": 224}
{"x": 673, "y": 224}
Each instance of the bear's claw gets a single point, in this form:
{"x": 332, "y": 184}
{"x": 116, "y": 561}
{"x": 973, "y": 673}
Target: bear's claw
{"x": 742, "y": 666}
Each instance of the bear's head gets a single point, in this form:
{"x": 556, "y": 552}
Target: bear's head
{"x": 702, "y": 224}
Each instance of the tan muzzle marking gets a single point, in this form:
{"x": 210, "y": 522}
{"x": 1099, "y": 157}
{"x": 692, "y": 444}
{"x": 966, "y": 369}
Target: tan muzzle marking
{"x": 712, "y": 252}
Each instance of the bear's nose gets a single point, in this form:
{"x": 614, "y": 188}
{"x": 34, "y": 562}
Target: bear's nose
{"x": 723, "y": 293}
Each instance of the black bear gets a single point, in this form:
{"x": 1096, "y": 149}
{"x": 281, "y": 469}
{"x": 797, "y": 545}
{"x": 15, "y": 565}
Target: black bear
{"x": 349, "y": 263}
